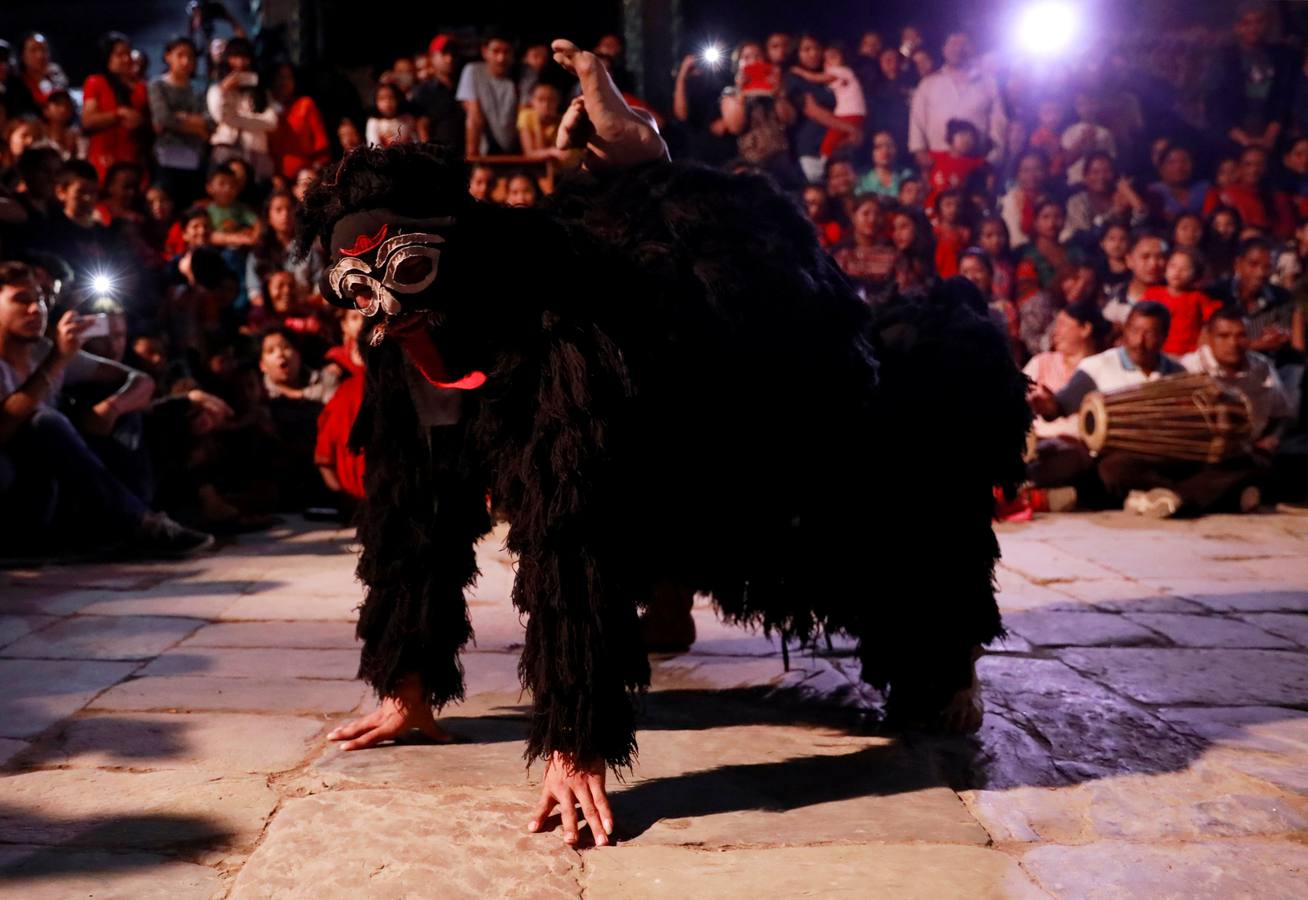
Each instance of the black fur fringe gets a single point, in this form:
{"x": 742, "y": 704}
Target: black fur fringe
{"x": 683, "y": 387}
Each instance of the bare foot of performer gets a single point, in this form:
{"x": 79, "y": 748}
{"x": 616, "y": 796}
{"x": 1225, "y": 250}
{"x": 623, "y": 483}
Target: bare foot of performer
{"x": 399, "y": 715}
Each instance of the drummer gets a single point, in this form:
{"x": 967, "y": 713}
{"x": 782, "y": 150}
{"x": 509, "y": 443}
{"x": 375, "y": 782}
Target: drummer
{"x": 1225, "y": 355}
{"x": 1145, "y": 485}
{"x": 1138, "y": 359}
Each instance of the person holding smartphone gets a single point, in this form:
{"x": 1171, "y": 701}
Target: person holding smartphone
{"x": 239, "y": 106}
{"x": 52, "y": 484}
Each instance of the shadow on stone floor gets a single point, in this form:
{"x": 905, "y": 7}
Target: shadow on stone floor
{"x": 115, "y": 740}
{"x": 133, "y": 839}
{"x": 1089, "y": 691}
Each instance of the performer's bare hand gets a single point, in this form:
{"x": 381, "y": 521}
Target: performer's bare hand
{"x": 397, "y": 715}
{"x": 600, "y": 120}
{"x": 568, "y": 784}
{"x": 1042, "y": 402}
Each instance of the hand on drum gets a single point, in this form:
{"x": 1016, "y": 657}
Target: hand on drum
{"x": 1043, "y": 402}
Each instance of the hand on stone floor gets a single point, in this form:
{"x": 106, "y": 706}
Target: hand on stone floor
{"x": 394, "y": 718}
{"x": 568, "y": 784}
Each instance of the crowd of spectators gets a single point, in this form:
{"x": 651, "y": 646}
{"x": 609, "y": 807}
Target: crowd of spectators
{"x": 164, "y": 356}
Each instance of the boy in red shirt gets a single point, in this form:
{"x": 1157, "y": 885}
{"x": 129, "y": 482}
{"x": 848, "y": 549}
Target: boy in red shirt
{"x": 953, "y": 232}
{"x": 1189, "y": 307}
{"x": 953, "y": 167}
{"x": 340, "y": 467}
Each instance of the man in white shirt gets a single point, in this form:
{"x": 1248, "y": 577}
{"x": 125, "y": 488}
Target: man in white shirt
{"x": 1145, "y": 485}
{"x": 958, "y": 91}
{"x": 1226, "y": 356}
{"x": 52, "y": 485}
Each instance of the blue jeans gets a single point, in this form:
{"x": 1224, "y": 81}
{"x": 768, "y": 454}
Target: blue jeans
{"x": 50, "y": 479}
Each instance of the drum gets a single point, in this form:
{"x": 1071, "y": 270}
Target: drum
{"x": 1185, "y": 417}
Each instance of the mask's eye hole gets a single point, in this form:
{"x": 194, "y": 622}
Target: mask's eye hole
{"x": 412, "y": 270}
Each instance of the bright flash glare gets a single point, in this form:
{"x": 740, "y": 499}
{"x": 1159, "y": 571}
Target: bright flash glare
{"x": 1047, "y": 27}
{"x": 101, "y": 284}
{"x": 712, "y": 54}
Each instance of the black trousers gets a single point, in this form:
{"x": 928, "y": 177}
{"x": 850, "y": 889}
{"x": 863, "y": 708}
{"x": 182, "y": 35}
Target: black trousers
{"x": 1202, "y": 487}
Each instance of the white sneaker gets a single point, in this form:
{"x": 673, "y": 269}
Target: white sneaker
{"x": 1160, "y": 503}
{"x": 1250, "y": 499}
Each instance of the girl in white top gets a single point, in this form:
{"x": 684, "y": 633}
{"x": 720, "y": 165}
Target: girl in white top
{"x": 242, "y": 112}
{"x": 388, "y": 125}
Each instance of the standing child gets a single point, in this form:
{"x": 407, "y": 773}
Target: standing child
{"x": 388, "y": 124}
{"x": 1113, "y": 243}
{"x": 953, "y": 231}
{"x": 1188, "y": 305}
{"x": 60, "y": 128}
{"x": 1047, "y": 136}
{"x": 993, "y": 240}
{"x": 952, "y": 168}
{"x": 1086, "y": 136}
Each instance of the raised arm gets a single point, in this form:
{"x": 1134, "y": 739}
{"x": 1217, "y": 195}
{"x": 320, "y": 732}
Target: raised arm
{"x": 612, "y": 133}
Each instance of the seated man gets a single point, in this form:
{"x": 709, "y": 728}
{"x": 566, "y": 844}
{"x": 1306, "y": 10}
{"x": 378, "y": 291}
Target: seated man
{"x": 1225, "y": 355}
{"x": 1147, "y": 485}
{"x": 52, "y": 478}
{"x": 1273, "y": 321}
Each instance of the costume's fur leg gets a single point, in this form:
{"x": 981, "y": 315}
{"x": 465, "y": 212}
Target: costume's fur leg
{"x": 952, "y": 407}
{"x": 422, "y": 514}
{"x": 583, "y": 655}
{"x": 582, "y": 658}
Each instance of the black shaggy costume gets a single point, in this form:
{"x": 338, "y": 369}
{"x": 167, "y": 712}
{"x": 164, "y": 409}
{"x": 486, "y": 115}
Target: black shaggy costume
{"x": 681, "y": 387}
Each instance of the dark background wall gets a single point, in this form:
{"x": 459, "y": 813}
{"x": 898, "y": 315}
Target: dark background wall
{"x": 353, "y": 33}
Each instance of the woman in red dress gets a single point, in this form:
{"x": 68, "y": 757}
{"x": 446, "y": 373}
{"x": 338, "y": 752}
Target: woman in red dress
{"x": 115, "y": 108}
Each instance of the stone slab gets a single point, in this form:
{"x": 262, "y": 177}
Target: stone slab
{"x": 50, "y": 599}
{"x": 1208, "y": 677}
{"x": 39, "y": 692}
{"x": 12, "y": 627}
{"x": 456, "y": 844}
{"x": 275, "y": 635}
{"x": 1292, "y": 626}
{"x": 9, "y": 748}
{"x": 231, "y": 662}
{"x": 221, "y": 743}
{"x": 1055, "y": 628}
{"x": 183, "y": 693}
{"x": 488, "y": 752}
{"x": 1270, "y": 870}
{"x": 55, "y": 873}
{"x": 296, "y": 603}
{"x": 1206, "y": 801}
{"x": 1209, "y": 631}
{"x": 188, "y": 811}
{"x": 1266, "y": 729}
{"x": 169, "y": 599}
{"x": 1043, "y": 563}
{"x": 104, "y": 637}
{"x": 844, "y": 793}
{"x": 884, "y": 870}
{"x": 1242, "y": 596}
{"x": 1082, "y": 728}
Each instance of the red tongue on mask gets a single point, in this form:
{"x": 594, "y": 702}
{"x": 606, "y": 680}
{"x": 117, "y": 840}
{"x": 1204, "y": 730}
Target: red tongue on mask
{"x": 418, "y": 344}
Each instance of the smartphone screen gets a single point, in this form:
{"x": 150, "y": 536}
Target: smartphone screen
{"x": 99, "y": 326}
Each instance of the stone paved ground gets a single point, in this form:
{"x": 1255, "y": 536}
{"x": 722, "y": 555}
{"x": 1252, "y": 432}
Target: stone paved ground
{"x": 162, "y": 728}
